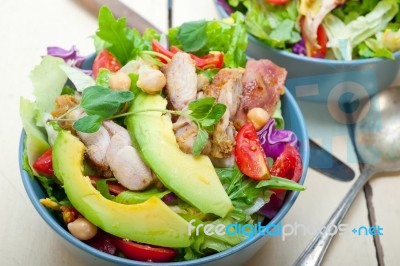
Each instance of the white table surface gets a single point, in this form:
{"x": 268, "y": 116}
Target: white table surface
{"x": 27, "y": 27}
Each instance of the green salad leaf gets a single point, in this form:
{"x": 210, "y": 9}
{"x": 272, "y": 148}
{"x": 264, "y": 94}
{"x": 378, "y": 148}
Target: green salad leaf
{"x": 201, "y": 37}
{"x": 122, "y": 41}
{"x": 276, "y": 25}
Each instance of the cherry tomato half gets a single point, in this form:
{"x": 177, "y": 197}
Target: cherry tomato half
{"x": 105, "y": 60}
{"x": 143, "y": 252}
{"x": 288, "y": 164}
{"x": 277, "y": 2}
{"x": 249, "y": 155}
{"x": 44, "y": 164}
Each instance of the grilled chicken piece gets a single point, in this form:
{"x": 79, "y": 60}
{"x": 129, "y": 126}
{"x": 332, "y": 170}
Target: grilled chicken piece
{"x": 227, "y": 89}
{"x": 202, "y": 82}
{"x": 124, "y": 160}
{"x": 63, "y": 104}
{"x": 263, "y": 83}
{"x": 181, "y": 80}
{"x": 96, "y": 147}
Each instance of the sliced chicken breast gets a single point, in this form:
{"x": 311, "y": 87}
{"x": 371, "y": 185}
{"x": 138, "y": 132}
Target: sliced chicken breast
{"x": 181, "y": 80}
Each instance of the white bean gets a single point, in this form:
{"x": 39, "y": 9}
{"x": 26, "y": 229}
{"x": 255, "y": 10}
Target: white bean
{"x": 82, "y": 229}
{"x": 151, "y": 80}
{"x": 119, "y": 81}
{"x": 258, "y": 116}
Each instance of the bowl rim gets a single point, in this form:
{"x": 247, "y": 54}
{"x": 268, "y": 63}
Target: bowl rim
{"x": 294, "y": 56}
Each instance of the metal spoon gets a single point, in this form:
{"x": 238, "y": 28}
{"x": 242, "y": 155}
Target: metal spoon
{"x": 377, "y": 143}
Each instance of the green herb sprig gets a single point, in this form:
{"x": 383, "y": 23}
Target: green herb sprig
{"x": 101, "y": 104}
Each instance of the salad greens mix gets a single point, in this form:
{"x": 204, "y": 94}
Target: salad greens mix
{"x": 342, "y": 30}
{"x": 212, "y": 45}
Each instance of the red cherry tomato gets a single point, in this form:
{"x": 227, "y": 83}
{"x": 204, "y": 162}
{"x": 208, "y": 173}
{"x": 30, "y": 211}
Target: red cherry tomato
{"x": 103, "y": 241}
{"x": 277, "y": 2}
{"x": 157, "y": 47}
{"x": 143, "y": 252}
{"x": 249, "y": 155}
{"x": 288, "y": 164}
{"x": 322, "y": 39}
{"x": 44, "y": 164}
{"x": 105, "y": 60}
{"x": 212, "y": 60}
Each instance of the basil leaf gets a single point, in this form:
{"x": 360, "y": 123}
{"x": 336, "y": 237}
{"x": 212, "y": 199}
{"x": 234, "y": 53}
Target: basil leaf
{"x": 97, "y": 100}
{"x": 193, "y": 35}
{"x": 200, "y": 142}
{"x": 200, "y": 108}
{"x": 217, "y": 112}
{"x": 88, "y": 124}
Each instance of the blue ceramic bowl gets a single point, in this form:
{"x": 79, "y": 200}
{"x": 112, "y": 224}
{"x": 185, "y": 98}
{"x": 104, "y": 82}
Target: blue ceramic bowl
{"x": 325, "y": 80}
{"x": 234, "y": 256}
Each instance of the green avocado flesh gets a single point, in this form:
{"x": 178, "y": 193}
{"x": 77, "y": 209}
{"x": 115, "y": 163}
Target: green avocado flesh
{"x": 192, "y": 178}
{"x": 150, "y": 222}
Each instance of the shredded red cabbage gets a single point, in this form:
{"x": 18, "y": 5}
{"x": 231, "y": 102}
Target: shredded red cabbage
{"x": 274, "y": 140}
{"x": 274, "y": 205}
{"x": 170, "y": 198}
{"x": 225, "y": 6}
{"x": 70, "y": 56}
{"x": 299, "y": 48}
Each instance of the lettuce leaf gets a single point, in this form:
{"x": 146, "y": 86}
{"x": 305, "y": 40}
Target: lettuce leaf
{"x": 48, "y": 82}
{"x": 123, "y": 42}
{"x": 275, "y": 25}
{"x": 36, "y": 140}
{"x": 201, "y": 37}
{"x": 344, "y": 38}
{"x": 80, "y": 80}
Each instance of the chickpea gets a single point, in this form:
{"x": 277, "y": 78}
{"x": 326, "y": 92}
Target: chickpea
{"x": 151, "y": 80}
{"x": 82, "y": 229}
{"x": 258, "y": 116}
{"x": 119, "y": 81}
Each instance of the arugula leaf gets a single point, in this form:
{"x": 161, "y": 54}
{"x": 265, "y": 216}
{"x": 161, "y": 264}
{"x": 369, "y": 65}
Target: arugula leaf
{"x": 116, "y": 34}
{"x": 88, "y": 124}
{"x": 199, "y": 142}
{"x": 97, "y": 100}
{"x": 193, "y": 35}
{"x": 102, "y": 187}
{"x": 281, "y": 183}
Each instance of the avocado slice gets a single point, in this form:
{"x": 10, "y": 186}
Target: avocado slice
{"x": 150, "y": 222}
{"x": 193, "y": 179}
